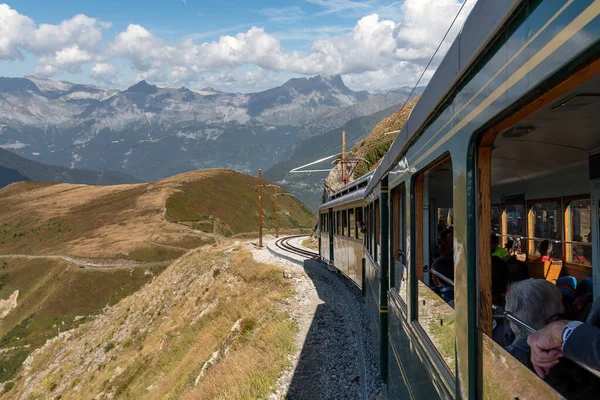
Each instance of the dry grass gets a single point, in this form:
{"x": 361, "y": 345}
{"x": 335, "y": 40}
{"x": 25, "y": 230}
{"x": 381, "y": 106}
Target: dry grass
{"x": 154, "y": 343}
{"x": 111, "y": 221}
{"x": 52, "y": 293}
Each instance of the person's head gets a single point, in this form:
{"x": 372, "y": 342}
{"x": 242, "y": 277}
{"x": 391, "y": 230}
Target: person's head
{"x": 545, "y": 248}
{"x": 534, "y": 301}
{"x": 447, "y": 241}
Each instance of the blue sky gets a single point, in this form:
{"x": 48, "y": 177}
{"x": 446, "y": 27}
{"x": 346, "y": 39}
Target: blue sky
{"x": 230, "y": 45}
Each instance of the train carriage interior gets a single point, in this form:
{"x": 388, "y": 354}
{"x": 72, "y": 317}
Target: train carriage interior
{"x": 545, "y": 186}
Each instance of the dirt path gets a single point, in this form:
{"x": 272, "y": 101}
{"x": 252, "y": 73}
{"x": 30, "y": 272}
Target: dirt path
{"x": 89, "y": 264}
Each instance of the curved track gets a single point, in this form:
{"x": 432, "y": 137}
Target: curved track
{"x": 284, "y": 245}
{"x": 348, "y": 300}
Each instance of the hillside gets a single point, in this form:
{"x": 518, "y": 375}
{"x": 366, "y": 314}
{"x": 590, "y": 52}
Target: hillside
{"x": 14, "y": 168}
{"x": 373, "y": 147}
{"x": 128, "y": 221}
{"x": 67, "y": 251}
{"x": 207, "y": 327}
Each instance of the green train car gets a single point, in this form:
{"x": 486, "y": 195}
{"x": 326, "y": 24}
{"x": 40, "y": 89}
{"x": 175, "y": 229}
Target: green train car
{"x": 504, "y": 144}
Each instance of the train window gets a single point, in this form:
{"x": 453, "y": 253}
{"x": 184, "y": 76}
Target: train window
{"x": 338, "y": 222}
{"x": 546, "y": 167}
{"x": 360, "y": 223}
{"x": 496, "y": 220}
{"x": 579, "y": 232}
{"x": 344, "y": 223}
{"x": 351, "y": 222}
{"x": 435, "y": 259}
{"x": 515, "y": 220}
{"x": 377, "y": 228}
{"x": 545, "y": 222}
{"x": 399, "y": 274}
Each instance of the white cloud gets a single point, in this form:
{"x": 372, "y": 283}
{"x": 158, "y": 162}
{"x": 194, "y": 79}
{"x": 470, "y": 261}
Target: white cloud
{"x": 377, "y": 52}
{"x": 15, "y": 30}
{"x": 62, "y": 47}
{"x": 104, "y": 72}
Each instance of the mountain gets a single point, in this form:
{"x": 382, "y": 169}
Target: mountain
{"x": 152, "y": 132}
{"x": 14, "y": 168}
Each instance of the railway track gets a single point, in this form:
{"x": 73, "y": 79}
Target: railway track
{"x": 347, "y": 302}
{"x": 284, "y": 244}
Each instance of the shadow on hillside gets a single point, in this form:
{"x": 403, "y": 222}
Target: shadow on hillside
{"x": 330, "y": 344}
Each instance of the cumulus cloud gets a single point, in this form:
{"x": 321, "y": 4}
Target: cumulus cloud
{"x": 62, "y": 47}
{"x": 378, "y": 52}
{"x": 104, "y": 72}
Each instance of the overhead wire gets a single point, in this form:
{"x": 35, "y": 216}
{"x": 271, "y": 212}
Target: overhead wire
{"x": 433, "y": 56}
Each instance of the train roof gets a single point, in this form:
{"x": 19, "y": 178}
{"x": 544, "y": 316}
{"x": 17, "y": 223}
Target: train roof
{"x": 353, "y": 191}
{"x": 480, "y": 29}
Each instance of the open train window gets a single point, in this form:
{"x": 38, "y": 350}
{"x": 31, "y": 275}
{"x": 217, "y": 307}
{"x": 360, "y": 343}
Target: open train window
{"x": 537, "y": 166}
{"x": 435, "y": 258}
{"x": 344, "y": 223}
{"x": 360, "y": 224}
{"x": 338, "y": 222}
{"x": 351, "y": 222}
{"x": 545, "y": 225}
{"x": 578, "y": 232}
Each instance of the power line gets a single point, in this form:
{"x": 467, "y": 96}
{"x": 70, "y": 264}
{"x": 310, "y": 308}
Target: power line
{"x": 433, "y": 56}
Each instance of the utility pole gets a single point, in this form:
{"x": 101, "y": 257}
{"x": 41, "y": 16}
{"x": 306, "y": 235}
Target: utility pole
{"x": 344, "y": 179}
{"x": 276, "y": 212}
{"x": 260, "y": 212}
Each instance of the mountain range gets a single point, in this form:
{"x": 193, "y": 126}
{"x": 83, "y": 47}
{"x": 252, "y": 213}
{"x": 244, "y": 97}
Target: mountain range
{"x": 152, "y": 132}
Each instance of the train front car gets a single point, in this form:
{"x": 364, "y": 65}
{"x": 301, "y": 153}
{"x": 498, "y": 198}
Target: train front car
{"x": 493, "y": 179}
{"x": 343, "y": 230}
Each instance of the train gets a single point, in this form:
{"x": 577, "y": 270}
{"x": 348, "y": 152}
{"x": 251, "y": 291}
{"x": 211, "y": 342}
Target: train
{"x": 503, "y": 143}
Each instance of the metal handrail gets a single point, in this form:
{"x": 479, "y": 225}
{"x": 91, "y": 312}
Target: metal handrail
{"x": 509, "y": 316}
{"x": 441, "y": 276}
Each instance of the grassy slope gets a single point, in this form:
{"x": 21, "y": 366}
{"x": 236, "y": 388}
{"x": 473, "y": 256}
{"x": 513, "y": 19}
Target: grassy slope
{"x": 373, "y": 147}
{"x": 113, "y": 221}
{"x": 122, "y": 222}
{"x": 154, "y": 343}
{"x": 52, "y": 293}
{"x": 230, "y": 198}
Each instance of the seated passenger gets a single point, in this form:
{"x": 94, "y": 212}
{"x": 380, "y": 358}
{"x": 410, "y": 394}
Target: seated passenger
{"x": 538, "y": 303}
{"x": 444, "y": 265}
{"x": 545, "y": 250}
{"x": 497, "y": 250}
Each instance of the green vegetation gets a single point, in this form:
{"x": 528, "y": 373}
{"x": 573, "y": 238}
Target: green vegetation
{"x": 227, "y": 203}
{"x": 55, "y": 296}
{"x": 168, "y": 342}
{"x": 373, "y": 147}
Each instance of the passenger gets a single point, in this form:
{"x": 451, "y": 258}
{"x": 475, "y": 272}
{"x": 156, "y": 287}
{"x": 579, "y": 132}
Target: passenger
{"x": 536, "y": 302}
{"x": 545, "y": 250}
{"x": 444, "y": 265}
{"x": 572, "y": 339}
{"x": 497, "y": 250}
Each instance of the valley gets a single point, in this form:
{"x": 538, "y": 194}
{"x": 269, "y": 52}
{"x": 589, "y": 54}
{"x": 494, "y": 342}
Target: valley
{"x": 70, "y": 253}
